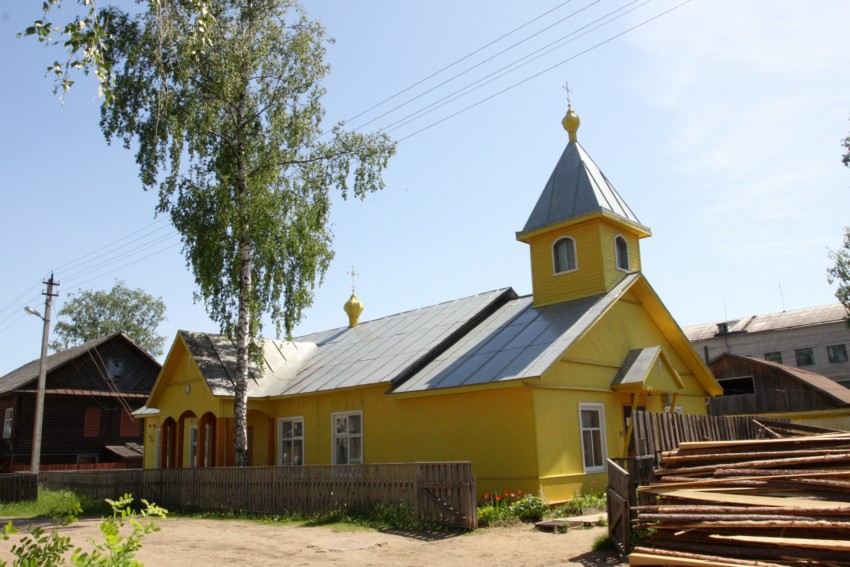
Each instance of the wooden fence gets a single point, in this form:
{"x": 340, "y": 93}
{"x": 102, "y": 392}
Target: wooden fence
{"x": 656, "y": 432}
{"x": 624, "y": 476}
{"x": 18, "y": 487}
{"x": 439, "y": 493}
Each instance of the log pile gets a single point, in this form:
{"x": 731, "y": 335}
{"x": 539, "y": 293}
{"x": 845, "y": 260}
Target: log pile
{"x": 783, "y": 501}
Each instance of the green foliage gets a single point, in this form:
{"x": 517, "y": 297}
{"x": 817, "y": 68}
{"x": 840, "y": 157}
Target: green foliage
{"x": 229, "y": 131}
{"x": 50, "y": 503}
{"x": 590, "y": 500}
{"x": 379, "y": 517}
{"x": 840, "y": 272}
{"x": 603, "y": 543}
{"x": 90, "y": 314}
{"x": 86, "y": 41}
{"x": 117, "y": 548}
{"x": 507, "y": 508}
{"x": 45, "y": 548}
{"x": 845, "y": 158}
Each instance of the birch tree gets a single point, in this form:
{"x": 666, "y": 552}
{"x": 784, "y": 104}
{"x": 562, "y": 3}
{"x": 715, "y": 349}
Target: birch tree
{"x": 227, "y": 127}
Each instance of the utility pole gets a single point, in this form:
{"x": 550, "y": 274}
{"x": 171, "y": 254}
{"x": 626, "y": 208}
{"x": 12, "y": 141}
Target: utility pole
{"x": 42, "y": 375}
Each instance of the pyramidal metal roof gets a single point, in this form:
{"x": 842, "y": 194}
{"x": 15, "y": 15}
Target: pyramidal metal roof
{"x": 577, "y": 187}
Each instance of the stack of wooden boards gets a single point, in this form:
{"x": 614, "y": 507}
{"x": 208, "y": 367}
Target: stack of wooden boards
{"x": 758, "y": 502}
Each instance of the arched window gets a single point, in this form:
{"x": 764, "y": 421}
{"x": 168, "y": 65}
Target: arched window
{"x": 622, "y": 248}
{"x": 564, "y": 255}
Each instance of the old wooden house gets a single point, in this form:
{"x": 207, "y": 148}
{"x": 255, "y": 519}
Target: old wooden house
{"x": 534, "y": 390}
{"x": 91, "y": 391}
{"x": 752, "y": 386}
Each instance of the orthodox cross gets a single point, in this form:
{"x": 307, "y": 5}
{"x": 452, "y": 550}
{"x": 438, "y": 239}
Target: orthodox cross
{"x": 569, "y": 92}
{"x": 353, "y": 275}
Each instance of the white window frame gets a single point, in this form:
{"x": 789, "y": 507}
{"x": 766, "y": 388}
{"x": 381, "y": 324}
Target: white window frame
{"x": 344, "y": 437}
{"x": 555, "y": 256}
{"x": 600, "y": 409}
{"x": 8, "y": 423}
{"x": 621, "y": 265}
{"x": 193, "y": 446}
{"x": 298, "y": 459}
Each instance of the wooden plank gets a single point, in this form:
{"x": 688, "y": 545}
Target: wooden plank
{"x": 831, "y": 544}
{"x": 745, "y": 499}
{"x": 640, "y": 558}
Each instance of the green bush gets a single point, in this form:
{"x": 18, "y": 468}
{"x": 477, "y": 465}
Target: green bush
{"x": 40, "y": 547}
{"x": 506, "y": 508}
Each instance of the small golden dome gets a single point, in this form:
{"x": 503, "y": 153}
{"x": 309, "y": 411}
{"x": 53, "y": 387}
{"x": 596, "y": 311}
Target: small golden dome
{"x": 571, "y": 122}
{"x": 353, "y": 308}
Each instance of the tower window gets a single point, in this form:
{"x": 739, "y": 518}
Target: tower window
{"x": 564, "y": 255}
{"x": 622, "y": 249}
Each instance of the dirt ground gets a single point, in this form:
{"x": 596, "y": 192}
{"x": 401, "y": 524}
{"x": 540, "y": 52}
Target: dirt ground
{"x": 219, "y": 542}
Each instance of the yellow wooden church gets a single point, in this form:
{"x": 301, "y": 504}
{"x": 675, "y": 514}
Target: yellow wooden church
{"x": 535, "y": 391}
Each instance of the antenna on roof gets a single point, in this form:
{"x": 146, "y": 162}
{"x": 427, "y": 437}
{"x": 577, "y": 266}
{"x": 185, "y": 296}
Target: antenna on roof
{"x": 781, "y": 297}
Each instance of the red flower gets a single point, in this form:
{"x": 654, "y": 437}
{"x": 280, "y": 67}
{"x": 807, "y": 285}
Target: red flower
{"x": 498, "y": 498}
{"x": 519, "y": 491}
{"x": 507, "y": 493}
{"x": 486, "y": 496}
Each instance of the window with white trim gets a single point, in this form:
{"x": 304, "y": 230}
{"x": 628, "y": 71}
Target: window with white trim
{"x": 621, "y": 248}
{"x": 592, "y": 424}
{"x": 8, "y": 421}
{"x": 347, "y": 438}
{"x": 291, "y": 435}
{"x": 564, "y": 255}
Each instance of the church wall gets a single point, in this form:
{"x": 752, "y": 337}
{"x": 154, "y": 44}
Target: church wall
{"x": 492, "y": 428}
{"x": 586, "y": 280}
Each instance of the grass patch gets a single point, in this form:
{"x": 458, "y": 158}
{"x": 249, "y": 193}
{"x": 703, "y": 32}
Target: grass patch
{"x": 603, "y": 543}
{"x": 381, "y": 517}
{"x": 55, "y": 504}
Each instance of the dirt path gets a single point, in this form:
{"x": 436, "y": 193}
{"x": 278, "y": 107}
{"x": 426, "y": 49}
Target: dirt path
{"x": 218, "y": 542}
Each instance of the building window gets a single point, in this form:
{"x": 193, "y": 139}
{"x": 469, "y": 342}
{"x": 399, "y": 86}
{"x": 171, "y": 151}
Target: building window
{"x": 622, "y": 249}
{"x": 193, "y": 446}
{"x": 7, "y": 423}
{"x": 592, "y": 422}
{"x": 130, "y": 426}
{"x": 805, "y": 356}
{"x": 291, "y": 441}
{"x": 88, "y": 459}
{"x": 115, "y": 368}
{"x": 348, "y": 438}
{"x": 91, "y": 423}
{"x": 837, "y": 353}
{"x": 773, "y": 356}
{"x": 564, "y": 255}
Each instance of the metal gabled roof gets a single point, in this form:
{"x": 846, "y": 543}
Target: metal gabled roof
{"x": 518, "y": 341}
{"x": 370, "y": 353}
{"x": 577, "y": 187}
{"x": 821, "y": 315}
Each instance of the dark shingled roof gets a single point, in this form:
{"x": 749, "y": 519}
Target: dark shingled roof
{"x": 29, "y": 371}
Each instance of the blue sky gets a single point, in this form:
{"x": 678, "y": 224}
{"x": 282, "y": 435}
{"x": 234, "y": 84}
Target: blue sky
{"x": 719, "y": 123}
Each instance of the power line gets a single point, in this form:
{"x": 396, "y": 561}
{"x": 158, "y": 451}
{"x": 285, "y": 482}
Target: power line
{"x": 467, "y": 70}
{"x": 464, "y": 58}
{"x": 544, "y": 71}
{"x": 498, "y": 74}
